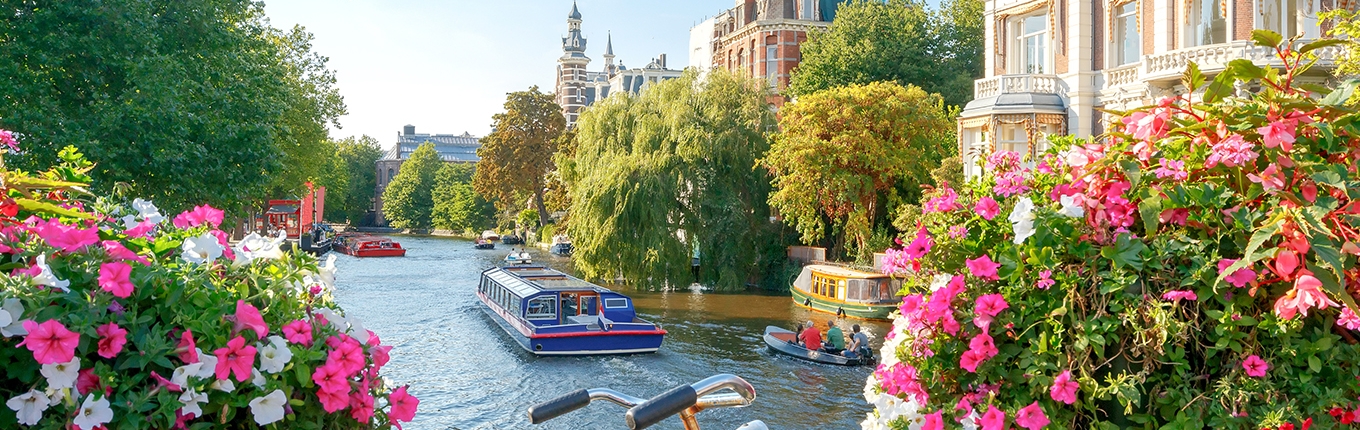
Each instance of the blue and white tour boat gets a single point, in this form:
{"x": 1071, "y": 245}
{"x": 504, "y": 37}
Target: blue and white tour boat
{"x": 551, "y": 313}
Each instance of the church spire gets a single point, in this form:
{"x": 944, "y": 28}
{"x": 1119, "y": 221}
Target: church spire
{"x": 575, "y": 13}
{"x": 609, "y": 47}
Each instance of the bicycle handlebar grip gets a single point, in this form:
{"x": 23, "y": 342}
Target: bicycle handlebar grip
{"x": 556, "y": 407}
{"x": 661, "y": 407}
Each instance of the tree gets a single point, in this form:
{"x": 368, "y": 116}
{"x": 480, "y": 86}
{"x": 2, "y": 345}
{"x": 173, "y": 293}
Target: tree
{"x": 408, "y": 200}
{"x": 457, "y": 206}
{"x": 517, "y": 155}
{"x": 845, "y": 154}
{"x": 307, "y": 151}
{"x": 657, "y": 175}
{"x": 350, "y": 191}
{"x": 897, "y": 40}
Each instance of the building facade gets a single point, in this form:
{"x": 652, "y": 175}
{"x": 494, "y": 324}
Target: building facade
{"x": 761, "y": 38}
{"x": 578, "y": 87}
{"x": 451, "y": 148}
{"x": 1053, "y": 65}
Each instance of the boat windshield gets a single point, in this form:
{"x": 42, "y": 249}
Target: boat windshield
{"x": 568, "y": 304}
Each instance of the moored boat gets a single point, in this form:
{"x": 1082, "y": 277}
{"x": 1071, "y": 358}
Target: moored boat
{"x": 548, "y": 312}
{"x": 846, "y": 292}
{"x": 360, "y": 245}
{"x": 783, "y": 341}
{"x": 512, "y": 239}
{"x": 490, "y": 235}
{"x": 480, "y": 243}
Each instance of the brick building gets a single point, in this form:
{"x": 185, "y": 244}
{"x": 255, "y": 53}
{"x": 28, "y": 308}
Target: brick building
{"x": 578, "y": 87}
{"x": 452, "y": 148}
{"x": 760, "y": 38}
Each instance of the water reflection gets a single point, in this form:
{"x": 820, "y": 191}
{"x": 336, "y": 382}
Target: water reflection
{"x": 470, "y": 375}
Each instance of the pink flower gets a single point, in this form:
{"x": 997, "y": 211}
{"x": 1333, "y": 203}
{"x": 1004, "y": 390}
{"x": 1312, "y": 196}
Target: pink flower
{"x": 1348, "y": 319}
{"x": 1064, "y": 389}
{"x": 141, "y": 230}
{"x": 7, "y": 138}
{"x": 117, "y": 250}
{"x": 333, "y": 401}
{"x": 1010, "y": 184}
{"x": 947, "y": 201}
{"x": 1241, "y": 277}
{"x": 1031, "y": 417}
{"x": 1174, "y": 169}
{"x": 1232, "y": 152}
{"x": 994, "y": 419}
{"x": 1177, "y": 216}
{"x": 1003, "y": 161}
{"x": 111, "y": 339}
{"x": 299, "y": 332}
{"x": 50, "y": 341}
{"x": 236, "y": 359}
{"x": 1255, "y": 366}
{"x": 983, "y": 267}
{"x": 65, "y": 237}
{"x": 1175, "y": 295}
{"x": 197, "y": 216}
{"x": 88, "y": 382}
{"x": 1045, "y": 280}
{"x": 933, "y": 421}
{"x": 986, "y": 307}
{"x": 1147, "y": 126}
{"x": 1305, "y": 295}
{"x": 116, "y": 278}
{"x": 403, "y": 406}
{"x": 346, "y": 353}
{"x": 910, "y": 304}
{"x": 331, "y": 378}
{"x": 958, "y": 232}
{"x": 1278, "y": 133}
{"x": 987, "y": 208}
{"x": 248, "y": 317}
{"x": 1286, "y": 262}
{"x": 361, "y": 406}
{"x": 895, "y": 261}
{"x": 1271, "y": 179}
{"x": 970, "y": 360}
{"x": 920, "y": 246}
{"x": 983, "y": 345}
{"x": 380, "y": 355}
{"x": 162, "y": 382}
{"x": 187, "y": 348}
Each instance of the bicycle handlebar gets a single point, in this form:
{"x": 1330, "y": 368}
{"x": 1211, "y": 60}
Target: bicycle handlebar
{"x": 577, "y": 400}
{"x": 684, "y": 397}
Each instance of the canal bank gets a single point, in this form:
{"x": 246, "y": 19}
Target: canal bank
{"x": 469, "y": 375}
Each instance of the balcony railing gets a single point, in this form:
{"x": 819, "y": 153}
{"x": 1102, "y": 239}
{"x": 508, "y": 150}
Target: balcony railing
{"x": 1120, "y": 76}
{"x": 1214, "y": 58}
{"x": 1014, "y": 84}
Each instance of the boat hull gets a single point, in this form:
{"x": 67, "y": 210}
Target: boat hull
{"x": 485, "y": 246}
{"x": 617, "y": 342}
{"x": 778, "y": 341}
{"x": 390, "y": 252}
{"x": 852, "y": 310}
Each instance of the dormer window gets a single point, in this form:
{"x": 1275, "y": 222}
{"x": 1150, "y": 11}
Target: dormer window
{"x": 1031, "y": 44}
{"x": 1207, "y": 25}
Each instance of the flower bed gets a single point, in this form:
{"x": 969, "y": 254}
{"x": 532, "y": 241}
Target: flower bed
{"x": 1192, "y": 268}
{"x": 114, "y": 317}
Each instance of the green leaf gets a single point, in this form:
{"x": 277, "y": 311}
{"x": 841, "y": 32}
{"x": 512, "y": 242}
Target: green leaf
{"x": 1126, "y": 252}
{"x": 1151, "y": 211}
{"x": 1321, "y": 43}
{"x": 1341, "y": 94}
{"x": 1331, "y": 178}
{"x": 1192, "y": 78}
{"x": 1314, "y": 364}
{"x": 1250, "y": 255}
{"x": 48, "y": 208}
{"x": 1266, "y": 38}
{"x": 1246, "y": 69}
{"x": 1222, "y": 86}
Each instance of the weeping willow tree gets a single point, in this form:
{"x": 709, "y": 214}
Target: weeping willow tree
{"x": 656, "y": 176}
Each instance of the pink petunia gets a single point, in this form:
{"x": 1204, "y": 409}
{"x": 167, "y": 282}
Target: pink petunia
{"x": 361, "y": 406}
{"x": 50, "y": 341}
{"x": 165, "y": 383}
{"x": 1064, "y": 389}
{"x": 116, "y": 249}
{"x": 1348, "y": 319}
{"x": 403, "y": 406}
{"x": 142, "y": 229}
{"x": 986, "y": 307}
{"x": 235, "y": 359}
{"x": 1031, "y": 417}
{"x": 1241, "y": 277}
{"x": 199, "y": 215}
{"x": 333, "y": 401}
{"x": 347, "y": 353}
{"x": 65, "y": 237}
{"x": 1045, "y": 280}
{"x": 933, "y": 421}
{"x": 947, "y": 201}
{"x": 248, "y": 317}
{"x": 331, "y": 378}
{"x": 987, "y": 208}
{"x": 1176, "y": 295}
{"x": 983, "y": 267}
{"x": 983, "y": 345}
{"x": 910, "y": 304}
{"x": 920, "y": 246}
{"x": 187, "y": 348}
{"x": 970, "y": 360}
{"x": 298, "y": 332}
{"x": 116, "y": 278}
{"x": 994, "y": 419}
{"x": 111, "y": 339}
{"x": 1255, "y": 366}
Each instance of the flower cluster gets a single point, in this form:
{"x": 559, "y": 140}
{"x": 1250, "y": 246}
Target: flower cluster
{"x": 1194, "y": 267}
{"x": 113, "y": 318}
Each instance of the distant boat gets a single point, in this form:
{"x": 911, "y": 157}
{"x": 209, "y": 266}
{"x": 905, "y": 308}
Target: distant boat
{"x": 548, "y": 312}
{"x": 782, "y": 341}
{"x": 521, "y": 257}
{"x": 360, "y": 245}
{"x": 562, "y": 249}
{"x": 846, "y": 292}
{"x": 480, "y": 243}
{"x": 512, "y": 239}
{"x": 319, "y": 240}
{"x": 490, "y": 235}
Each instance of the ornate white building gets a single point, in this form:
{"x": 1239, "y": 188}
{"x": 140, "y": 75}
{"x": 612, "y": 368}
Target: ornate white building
{"x": 577, "y": 87}
{"x": 1051, "y": 64}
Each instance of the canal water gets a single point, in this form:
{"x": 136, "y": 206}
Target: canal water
{"x": 469, "y": 375}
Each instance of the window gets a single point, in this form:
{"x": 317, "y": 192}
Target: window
{"x": 1207, "y": 24}
{"x": 542, "y": 308}
{"x": 805, "y": 12}
{"x": 771, "y": 66}
{"x": 390, "y": 174}
{"x": 1280, "y": 16}
{"x": 615, "y": 303}
{"x": 1128, "y": 43}
{"x": 1031, "y": 45}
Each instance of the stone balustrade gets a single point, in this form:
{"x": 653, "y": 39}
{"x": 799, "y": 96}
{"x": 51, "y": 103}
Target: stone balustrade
{"x": 1012, "y": 84}
{"x": 1214, "y": 58}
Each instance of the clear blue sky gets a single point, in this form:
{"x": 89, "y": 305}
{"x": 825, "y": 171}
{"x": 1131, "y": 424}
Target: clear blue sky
{"x": 445, "y": 66}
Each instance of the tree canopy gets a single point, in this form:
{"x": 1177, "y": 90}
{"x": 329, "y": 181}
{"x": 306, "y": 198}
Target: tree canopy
{"x": 352, "y": 180}
{"x": 657, "y": 175}
{"x": 457, "y": 206}
{"x": 408, "y": 200}
{"x": 185, "y": 102}
{"x": 898, "y": 40}
{"x": 846, "y": 154}
{"x": 518, "y": 154}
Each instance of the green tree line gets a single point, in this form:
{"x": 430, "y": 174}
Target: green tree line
{"x": 428, "y": 193}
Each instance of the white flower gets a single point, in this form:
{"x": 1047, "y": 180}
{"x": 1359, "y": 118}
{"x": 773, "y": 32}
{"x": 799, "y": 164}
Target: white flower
{"x": 357, "y": 330}
{"x": 48, "y": 278}
{"x": 347, "y": 325}
{"x": 1071, "y": 207}
{"x": 257, "y": 378}
{"x": 1022, "y": 219}
{"x": 327, "y": 274}
{"x": 29, "y": 406}
{"x": 15, "y": 309}
{"x": 93, "y": 413}
{"x": 268, "y": 409}
{"x": 255, "y": 247}
{"x": 201, "y": 249}
{"x": 970, "y": 422}
{"x": 209, "y": 364}
{"x": 940, "y": 281}
{"x": 181, "y": 374}
{"x": 275, "y": 355}
{"x": 56, "y": 396}
{"x": 62, "y": 375}
{"x": 129, "y": 222}
{"x": 147, "y": 211}
{"x": 223, "y": 385}
{"x": 191, "y": 399}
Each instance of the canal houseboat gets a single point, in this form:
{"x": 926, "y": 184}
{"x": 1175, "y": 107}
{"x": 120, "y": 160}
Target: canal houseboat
{"x": 846, "y": 292}
{"x": 368, "y": 246}
{"x": 548, "y": 312}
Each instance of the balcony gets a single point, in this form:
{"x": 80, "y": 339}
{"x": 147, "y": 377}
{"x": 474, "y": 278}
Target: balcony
{"x": 1018, "y": 84}
{"x": 1211, "y": 59}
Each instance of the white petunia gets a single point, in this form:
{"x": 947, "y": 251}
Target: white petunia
{"x": 62, "y": 375}
{"x": 181, "y": 374}
{"x": 1071, "y": 207}
{"x": 940, "y": 281}
{"x": 327, "y": 274}
{"x": 93, "y": 413}
{"x": 223, "y": 385}
{"x": 147, "y": 211}
{"x": 48, "y": 278}
{"x": 209, "y": 364}
{"x": 201, "y": 249}
{"x": 56, "y": 397}
{"x": 255, "y": 247}
{"x": 257, "y": 378}
{"x": 275, "y": 355}
{"x": 269, "y": 408}
{"x": 29, "y": 406}
{"x": 1022, "y": 219}
{"x": 970, "y": 422}
{"x": 191, "y": 400}
{"x": 15, "y": 309}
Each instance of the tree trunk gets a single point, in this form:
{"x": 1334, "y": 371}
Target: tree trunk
{"x": 538, "y": 204}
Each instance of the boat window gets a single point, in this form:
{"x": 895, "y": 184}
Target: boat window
{"x": 542, "y": 308}
{"x": 568, "y": 305}
{"x": 615, "y": 303}
{"x": 588, "y": 305}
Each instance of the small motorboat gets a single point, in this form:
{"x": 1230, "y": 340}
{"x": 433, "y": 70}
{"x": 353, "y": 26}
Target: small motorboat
{"x": 360, "y": 245}
{"x": 561, "y": 249}
{"x": 318, "y": 241}
{"x": 521, "y": 257}
{"x": 480, "y": 243}
{"x": 490, "y": 235}
{"x": 783, "y": 341}
{"x": 512, "y": 239}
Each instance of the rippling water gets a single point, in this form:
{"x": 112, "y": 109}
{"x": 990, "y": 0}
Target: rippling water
{"x": 469, "y": 375}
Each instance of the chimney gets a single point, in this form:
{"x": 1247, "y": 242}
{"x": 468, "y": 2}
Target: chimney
{"x": 408, "y": 130}
{"x": 662, "y": 61}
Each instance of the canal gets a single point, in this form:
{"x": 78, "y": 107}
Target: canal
{"x": 469, "y": 375}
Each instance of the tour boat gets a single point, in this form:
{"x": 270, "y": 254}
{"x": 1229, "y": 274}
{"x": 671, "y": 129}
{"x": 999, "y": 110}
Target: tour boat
{"x": 548, "y": 312}
{"x": 480, "y": 243}
{"x": 368, "y": 246}
{"x": 846, "y": 292}
{"x": 521, "y": 257}
{"x": 784, "y": 342}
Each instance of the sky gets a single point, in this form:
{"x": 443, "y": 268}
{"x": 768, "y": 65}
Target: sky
{"x": 446, "y": 65}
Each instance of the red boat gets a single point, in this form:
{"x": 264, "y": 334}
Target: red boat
{"x": 368, "y": 246}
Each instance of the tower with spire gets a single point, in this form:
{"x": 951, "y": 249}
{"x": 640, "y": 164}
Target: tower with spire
{"x": 578, "y": 87}
{"x": 609, "y": 68}
{"x": 571, "y": 69}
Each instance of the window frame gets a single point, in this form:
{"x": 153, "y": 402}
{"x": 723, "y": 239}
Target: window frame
{"x": 609, "y": 300}
{"x": 1193, "y": 15}
{"x": 1119, "y": 20}
{"x": 552, "y": 308}
{"x": 1019, "y": 62}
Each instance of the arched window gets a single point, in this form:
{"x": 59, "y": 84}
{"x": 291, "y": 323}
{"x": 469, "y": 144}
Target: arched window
{"x": 390, "y": 174}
